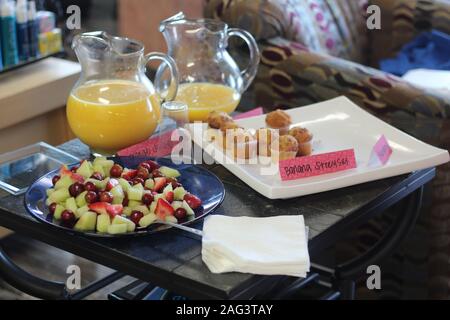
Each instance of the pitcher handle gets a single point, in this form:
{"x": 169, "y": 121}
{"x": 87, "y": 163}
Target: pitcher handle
{"x": 249, "y": 73}
{"x": 174, "y": 78}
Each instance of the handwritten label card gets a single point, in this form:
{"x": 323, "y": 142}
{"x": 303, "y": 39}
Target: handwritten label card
{"x": 304, "y": 167}
{"x": 151, "y": 147}
{"x": 381, "y": 152}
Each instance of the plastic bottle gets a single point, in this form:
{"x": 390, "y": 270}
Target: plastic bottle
{"x": 8, "y": 33}
{"x": 1, "y": 59}
{"x": 33, "y": 29}
{"x": 23, "y": 40}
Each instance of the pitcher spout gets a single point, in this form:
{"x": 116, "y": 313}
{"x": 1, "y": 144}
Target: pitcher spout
{"x": 179, "y": 16}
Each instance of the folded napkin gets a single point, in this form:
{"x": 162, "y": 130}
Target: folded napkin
{"x": 269, "y": 246}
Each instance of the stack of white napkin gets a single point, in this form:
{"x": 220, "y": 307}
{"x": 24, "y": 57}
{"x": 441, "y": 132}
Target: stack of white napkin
{"x": 268, "y": 246}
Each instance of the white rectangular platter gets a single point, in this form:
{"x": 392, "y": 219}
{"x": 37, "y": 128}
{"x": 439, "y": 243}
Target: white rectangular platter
{"x": 336, "y": 124}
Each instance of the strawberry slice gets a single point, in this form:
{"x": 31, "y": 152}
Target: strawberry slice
{"x": 163, "y": 209}
{"x": 104, "y": 207}
{"x": 159, "y": 183}
{"x": 111, "y": 184}
{"x": 64, "y": 171}
{"x": 99, "y": 207}
{"x": 114, "y": 209}
{"x": 130, "y": 175}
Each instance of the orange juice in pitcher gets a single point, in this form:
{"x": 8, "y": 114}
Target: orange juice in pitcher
{"x": 202, "y": 98}
{"x": 114, "y": 105}
{"x": 112, "y": 114}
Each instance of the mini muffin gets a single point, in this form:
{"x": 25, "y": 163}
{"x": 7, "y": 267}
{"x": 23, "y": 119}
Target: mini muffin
{"x": 226, "y": 134}
{"x": 288, "y": 147}
{"x": 241, "y": 144}
{"x": 230, "y": 125}
{"x": 217, "y": 119}
{"x": 265, "y": 136}
{"x": 280, "y": 120}
{"x": 304, "y": 139}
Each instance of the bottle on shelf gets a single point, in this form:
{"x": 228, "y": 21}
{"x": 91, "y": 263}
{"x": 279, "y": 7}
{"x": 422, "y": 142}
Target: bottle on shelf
{"x": 33, "y": 29}
{"x": 8, "y": 33}
{"x": 23, "y": 40}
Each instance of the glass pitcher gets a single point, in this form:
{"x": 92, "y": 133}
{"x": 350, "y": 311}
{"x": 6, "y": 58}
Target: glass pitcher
{"x": 209, "y": 77}
{"x": 114, "y": 105}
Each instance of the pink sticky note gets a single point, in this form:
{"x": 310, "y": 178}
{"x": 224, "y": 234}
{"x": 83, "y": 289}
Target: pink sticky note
{"x": 252, "y": 113}
{"x": 382, "y": 151}
{"x": 304, "y": 167}
{"x": 150, "y": 147}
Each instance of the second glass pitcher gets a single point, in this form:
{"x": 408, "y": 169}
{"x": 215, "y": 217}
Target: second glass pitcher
{"x": 209, "y": 77}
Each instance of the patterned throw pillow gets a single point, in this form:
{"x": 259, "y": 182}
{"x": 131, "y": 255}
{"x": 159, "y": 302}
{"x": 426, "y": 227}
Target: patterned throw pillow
{"x": 325, "y": 26}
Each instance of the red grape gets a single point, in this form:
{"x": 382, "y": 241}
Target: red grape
{"x": 137, "y": 181}
{"x": 153, "y": 165}
{"x": 91, "y": 197}
{"x": 74, "y": 169}
{"x": 75, "y": 189}
{"x": 193, "y": 201}
{"x": 125, "y": 201}
{"x": 116, "y": 171}
{"x": 136, "y": 216}
{"x": 180, "y": 213}
{"x": 52, "y": 207}
{"x": 146, "y": 166}
{"x": 90, "y": 186}
{"x": 55, "y": 179}
{"x": 173, "y": 182}
{"x": 147, "y": 199}
{"x": 106, "y": 196}
{"x": 143, "y": 173}
{"x": 170, "y": 196}
{"x": 157, "y": 174}
{"x": 67, "y": 218}
{"x": 97, "y": 176}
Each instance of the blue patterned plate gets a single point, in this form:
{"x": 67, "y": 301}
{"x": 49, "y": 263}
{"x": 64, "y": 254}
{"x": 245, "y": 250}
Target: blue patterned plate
{"x": 195, "y": 179}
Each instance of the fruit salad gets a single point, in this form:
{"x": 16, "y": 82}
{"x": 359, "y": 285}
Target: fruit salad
{"x": 103, "y": 196}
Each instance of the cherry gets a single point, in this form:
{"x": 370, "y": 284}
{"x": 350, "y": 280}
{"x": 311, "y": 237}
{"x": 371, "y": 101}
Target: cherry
{"x": 91, "y": 197}
{"x": 116, "y": 171}
{"x": 52, "y": 208}
{"x": 143, "y": 173}
{"x": 193, "y": 201}
{"x": 147, "y": 199}
{"x": 106, "y": 196}
{"x": 90, "y": 186}
{"x": 55, "y": 179}
{"x": 97, "y": 176}
{"x": 157, "y": 174}
{"x": 137, "y": 181}
{"x": 136, "y": 216}
{"x": 180, "y": 213}
{"x": 68, "y": 218}
{"x": 75, "y": 189}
